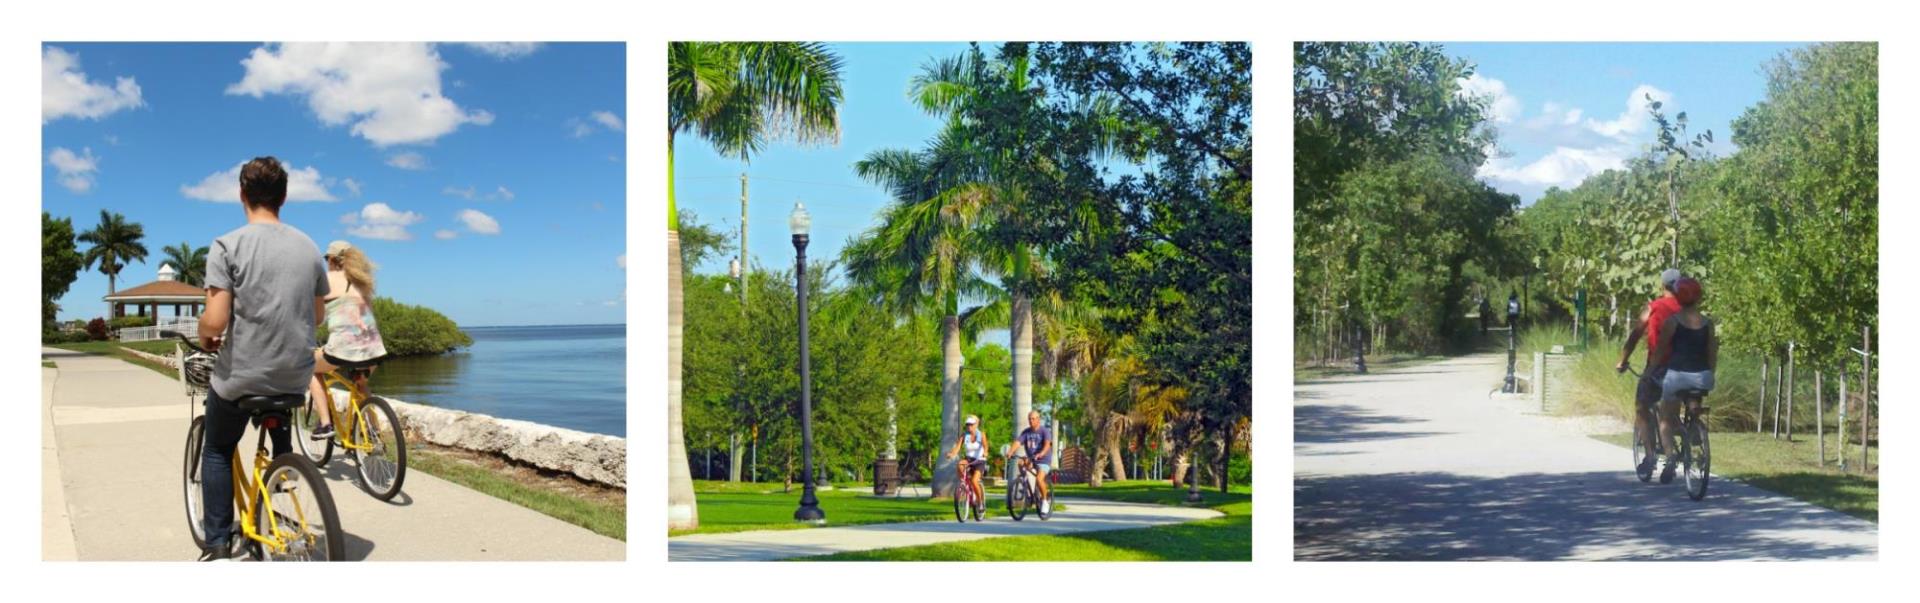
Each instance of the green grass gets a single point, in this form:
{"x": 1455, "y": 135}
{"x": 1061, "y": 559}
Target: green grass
{"x": 1788, "y": 468}
{"x": 740, "y": 507}
{"x": 47, "y": 364}
{"x": 118, "y": 349}
{"x": 1228, "y": 538}
{"x": 601, "y": 517}
{"x": 1382, "y": 361}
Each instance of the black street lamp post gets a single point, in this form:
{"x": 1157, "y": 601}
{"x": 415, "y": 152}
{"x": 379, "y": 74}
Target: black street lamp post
{"x": 809, "y": 510}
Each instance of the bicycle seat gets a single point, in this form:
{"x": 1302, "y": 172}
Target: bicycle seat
{"x": 270, "y": 404}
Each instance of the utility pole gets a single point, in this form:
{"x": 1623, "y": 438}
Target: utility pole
{"x": 736, "y": 449}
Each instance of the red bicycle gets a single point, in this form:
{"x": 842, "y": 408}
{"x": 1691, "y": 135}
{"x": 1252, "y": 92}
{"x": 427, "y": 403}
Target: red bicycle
{"x": 968, "y": 498}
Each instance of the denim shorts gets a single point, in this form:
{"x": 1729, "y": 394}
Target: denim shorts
{"x": 1678, "y": 381}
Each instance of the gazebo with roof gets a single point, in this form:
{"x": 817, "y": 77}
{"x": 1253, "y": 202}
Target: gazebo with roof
{"x": 147, "y": 299}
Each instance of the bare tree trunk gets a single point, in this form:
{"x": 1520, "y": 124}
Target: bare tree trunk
{"x": 682, "y": 511}
{"x": 1021, "y": 330}
{"x": 1819, "y": 419}
{"x": 944, "y": 478}
{"x": 1226, "y": 454}
{"x": 1111, "y": 439}
{"x": 1790, "y": 376}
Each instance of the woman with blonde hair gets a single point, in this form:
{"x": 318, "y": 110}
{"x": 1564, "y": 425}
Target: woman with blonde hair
{"x": 352, "y": 336}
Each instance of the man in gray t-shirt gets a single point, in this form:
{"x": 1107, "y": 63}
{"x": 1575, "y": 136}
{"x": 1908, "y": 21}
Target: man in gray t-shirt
{"x": 265, "y": 291}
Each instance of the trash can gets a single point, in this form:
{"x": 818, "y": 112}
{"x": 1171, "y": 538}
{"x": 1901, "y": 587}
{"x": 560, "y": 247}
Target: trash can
{"x": 886, "y": 476}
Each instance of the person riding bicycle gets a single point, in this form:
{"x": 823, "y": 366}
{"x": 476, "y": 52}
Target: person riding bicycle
{"x": 973, "y": 442}
{"x": 265, "y": 289}
{"x": 1690, "y": 350}
{"x": 352, "y": 335}
{"x": 1647, "y": 391}
{"x": 1038, "y": 443}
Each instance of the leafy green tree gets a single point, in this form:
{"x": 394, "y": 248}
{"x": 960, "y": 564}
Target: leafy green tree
{"x": 409, "y": 330}
{"x": 736, "y": 96}
{"x": 115, "y": 243}
{"x": 1797, "y": 251}
{"x": 60, "y": 265}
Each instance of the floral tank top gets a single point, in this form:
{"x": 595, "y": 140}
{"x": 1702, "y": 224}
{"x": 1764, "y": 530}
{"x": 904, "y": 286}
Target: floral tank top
{"x": 351, "y": 333}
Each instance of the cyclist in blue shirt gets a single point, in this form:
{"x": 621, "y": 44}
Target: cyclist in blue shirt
{"x": 1038, "y": 442}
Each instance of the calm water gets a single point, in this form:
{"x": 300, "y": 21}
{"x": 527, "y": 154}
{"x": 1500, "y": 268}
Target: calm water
{"x": 566, "y": 376}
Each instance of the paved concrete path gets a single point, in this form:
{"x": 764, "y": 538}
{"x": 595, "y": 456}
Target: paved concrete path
{"x": 1419, "y": 463}
{"x": 1082, "y": 515}
{"x": 113, "y": 437}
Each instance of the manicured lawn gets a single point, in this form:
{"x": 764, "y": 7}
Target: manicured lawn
{"x": 1228, "y": 538}
{"x": 119, "y": 349}
{"x": 740, "y": 507}
{"x": 1788, "y": 468}
{"x": 48, "y": 364}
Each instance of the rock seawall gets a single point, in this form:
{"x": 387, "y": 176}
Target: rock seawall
{"x": 592, "y": 457}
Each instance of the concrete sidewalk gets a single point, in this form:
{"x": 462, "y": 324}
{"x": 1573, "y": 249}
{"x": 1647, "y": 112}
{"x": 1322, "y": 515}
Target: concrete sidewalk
{"x": 1421, "y": 464}
{"x": 113, "y": 442}
{"x": 1081, "y": 515}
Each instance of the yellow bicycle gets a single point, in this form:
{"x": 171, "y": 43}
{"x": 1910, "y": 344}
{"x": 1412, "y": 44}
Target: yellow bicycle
{"x": 365, "y": 427}
{"x": 284, "y": 510}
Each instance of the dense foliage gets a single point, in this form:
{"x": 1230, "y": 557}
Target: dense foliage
{"x": 416, "y": 330}
{"x": 60, "y": 264}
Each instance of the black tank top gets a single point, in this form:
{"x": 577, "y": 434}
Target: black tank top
{"x": 1689, "y": 354}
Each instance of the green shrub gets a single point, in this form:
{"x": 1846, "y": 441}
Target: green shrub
{"x": 97, "y": 329}
{"x": 415, "y": 330}
{"x": 124, "y": 322}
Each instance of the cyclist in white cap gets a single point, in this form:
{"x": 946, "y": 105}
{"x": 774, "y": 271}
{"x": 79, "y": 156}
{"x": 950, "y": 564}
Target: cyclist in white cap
{"x": 973, "y": 442}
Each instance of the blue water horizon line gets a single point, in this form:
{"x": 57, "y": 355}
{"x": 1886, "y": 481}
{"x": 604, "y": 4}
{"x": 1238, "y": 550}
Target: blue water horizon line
{"x": 546, "y": 326}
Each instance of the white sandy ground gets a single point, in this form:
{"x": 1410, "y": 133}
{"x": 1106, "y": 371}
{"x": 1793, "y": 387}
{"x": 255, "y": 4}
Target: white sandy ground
{"x": 112, "y": 441}
{"x": 1420, "y": 463}
{"x": 1081, "y": 515}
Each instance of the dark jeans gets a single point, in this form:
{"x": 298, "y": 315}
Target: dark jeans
{"x": 225, "y": 424}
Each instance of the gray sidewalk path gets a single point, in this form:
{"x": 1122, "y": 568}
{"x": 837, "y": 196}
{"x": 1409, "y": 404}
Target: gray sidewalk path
{"x": 1082, "y": 515}
{"x": 1420, "y": 463}
{"x": 117, "y": 444}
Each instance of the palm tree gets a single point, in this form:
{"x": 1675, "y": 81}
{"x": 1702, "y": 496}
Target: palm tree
{"x": 116, "y": 242}
{"x": 736, "y": 96}
{"x": 920, "y": 259}
{"x": 187, "y": 260}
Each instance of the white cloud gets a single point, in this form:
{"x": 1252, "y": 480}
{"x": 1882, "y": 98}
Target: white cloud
{"x": 65, "y": 91}
{"x": 1634, "y": 119}
{"x": 303, "y": 184}
{"x": 580, "y": 129}
{"x": 479, "y": 223}
{"x": 444, "y": 234}
{"x": 609, "y": 120}
{"x": 353, "y": 186}
{"x": 622, "y": 261}
{"x": 464, "y": 193}
{"x": 76, "y": 170}
{"x": 381, "y": 222}
{"x": 408, "y": 161}
{"x": 505, "y": 50}
{"x": 1565, "y": 167}
{"x": 502, "y": 194}
{"x": 388, "y": 92}
{"x": 1502, "y": 107}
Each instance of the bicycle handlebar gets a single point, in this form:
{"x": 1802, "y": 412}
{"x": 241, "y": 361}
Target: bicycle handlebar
{"x": 184, "y": 340}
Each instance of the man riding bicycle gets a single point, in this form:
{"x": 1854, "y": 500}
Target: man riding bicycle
{"x": 1648, "y": 390}
{"x": 266, "y": 288}
{"x": 1038, "y": 443}
{"x": 973, "y": 443}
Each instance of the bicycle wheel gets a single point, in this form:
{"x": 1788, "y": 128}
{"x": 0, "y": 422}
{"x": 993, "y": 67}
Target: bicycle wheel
{"x": 1698, "y": 457}
{"x": 1640, "y": 452}
{"x": 1017, "y": 497}
{"x": 960, "y": 502}
{"x": 383, "y": 467}
{"x": 304, "y": 422}
{"x": 979, "y": 503}
{"x": 190, "y": 481}
{"x": 303, "y": 513}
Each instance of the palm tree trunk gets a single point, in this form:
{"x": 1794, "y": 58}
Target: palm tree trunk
{"x": 1111, "y": 440}
{"x": 682, "y": 511}
{"x": 943, "y": 476}
{"x": 1182, "y": 457}
{"x": 1021, "y": 330}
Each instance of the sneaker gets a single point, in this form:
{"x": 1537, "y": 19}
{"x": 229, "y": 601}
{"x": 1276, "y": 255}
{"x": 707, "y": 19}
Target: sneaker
{"x": 217, "y": 552}
{"x": 321, "y": 433}
{"x": 1645, "y": 468}
{"x": 1666, "y": 473}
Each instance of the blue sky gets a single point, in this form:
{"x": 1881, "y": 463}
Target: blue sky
{"x": 1563, "y": 112}
{"x": 874, "y": 115}
{"x": 487, "y": 181}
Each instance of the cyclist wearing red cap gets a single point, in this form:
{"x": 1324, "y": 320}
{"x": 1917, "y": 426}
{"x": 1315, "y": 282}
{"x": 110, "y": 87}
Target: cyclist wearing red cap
{"x": 1690, "y": 350}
